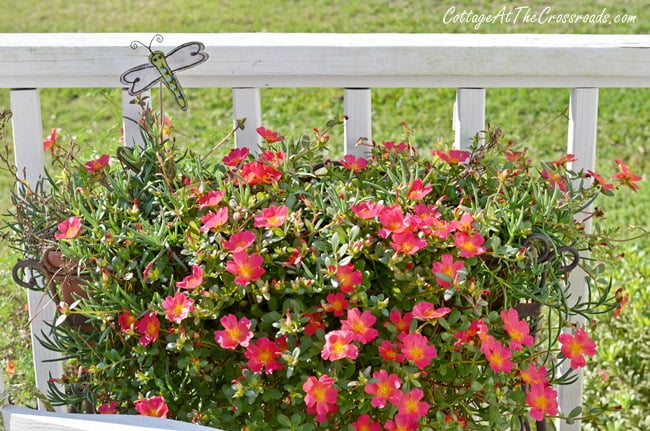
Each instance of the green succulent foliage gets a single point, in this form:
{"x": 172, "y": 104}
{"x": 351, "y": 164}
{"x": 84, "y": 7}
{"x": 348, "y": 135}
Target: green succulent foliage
{"x": 143, "y": 232}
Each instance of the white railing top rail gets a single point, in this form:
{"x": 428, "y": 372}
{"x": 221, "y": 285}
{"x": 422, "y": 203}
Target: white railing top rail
{"x": 337, "y": 60}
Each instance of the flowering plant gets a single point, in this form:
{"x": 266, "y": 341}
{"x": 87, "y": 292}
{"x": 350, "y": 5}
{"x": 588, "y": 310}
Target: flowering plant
{"x": 283, "y": 290}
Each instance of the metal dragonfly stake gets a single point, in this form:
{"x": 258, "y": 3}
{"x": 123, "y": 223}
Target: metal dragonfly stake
{"x": 163, "y": 66}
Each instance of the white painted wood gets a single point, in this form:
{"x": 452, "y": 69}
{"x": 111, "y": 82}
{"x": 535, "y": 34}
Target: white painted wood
{"x": 246, "y": 104}
{"x": 2, "y": 389}
{"x": 22, "y": 419}
{"x": 29, "y": 158}
{"x": 583, "y": 119}
{"x": 469, "y": 116}
{"x": 338, "y": 60}
{"x": 357, "y": 134}
{"x": 131, "y": 114}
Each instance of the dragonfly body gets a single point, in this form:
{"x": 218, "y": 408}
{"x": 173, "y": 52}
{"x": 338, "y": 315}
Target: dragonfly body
{"x": 163, "y": 66}
{"x": 157, "y": 58}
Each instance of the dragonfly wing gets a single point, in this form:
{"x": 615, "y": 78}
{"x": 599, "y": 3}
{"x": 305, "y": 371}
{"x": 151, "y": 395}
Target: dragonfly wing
{"x": 140, "y": 78}
{"x": 187, "y": 55}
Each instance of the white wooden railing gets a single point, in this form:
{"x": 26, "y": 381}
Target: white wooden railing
{"x": 353, "y": 62}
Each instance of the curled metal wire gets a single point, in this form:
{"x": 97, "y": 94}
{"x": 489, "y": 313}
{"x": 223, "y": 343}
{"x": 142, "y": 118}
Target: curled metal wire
{"x": 547, "y": 254}
{"x": 18, "y": 273}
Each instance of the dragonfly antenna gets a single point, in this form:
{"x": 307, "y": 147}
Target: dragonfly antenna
{"x": 158, "y": 38}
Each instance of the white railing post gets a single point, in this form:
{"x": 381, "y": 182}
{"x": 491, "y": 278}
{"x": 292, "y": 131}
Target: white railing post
{"x": 246, "y": 105}
{"x": 131, "y": 114}
{"x": 357, "y": 133}
{"x": 583, "y": 118}
{"x": 469, "y": 115}
{"x": 29, "y": 158}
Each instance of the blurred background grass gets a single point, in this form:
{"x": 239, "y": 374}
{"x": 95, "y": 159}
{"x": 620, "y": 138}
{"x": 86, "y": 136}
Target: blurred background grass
{"x": 92, "y": 117}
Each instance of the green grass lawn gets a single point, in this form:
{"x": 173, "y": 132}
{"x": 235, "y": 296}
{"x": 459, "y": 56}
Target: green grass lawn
{"x": 92, "y": 116}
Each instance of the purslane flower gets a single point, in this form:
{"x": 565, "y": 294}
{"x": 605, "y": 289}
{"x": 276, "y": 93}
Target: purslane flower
{"x": 69, "y": 228}
{"x": 386, "y": 389}
{"x": 575, "y": 347}
{"x": 338, "y": 345}
{"x": 153, "y": 406}
{"x": 320, "y": 396}
{"x": 193, "y": 280}
{"x": 178, "y": 307}
{"x": 262, "y": 356}
{"x": 236, "y": 332}
{"x": 247, "y": 267}
{"x": 543, "y": 401}
{"x": 149, "y": 327}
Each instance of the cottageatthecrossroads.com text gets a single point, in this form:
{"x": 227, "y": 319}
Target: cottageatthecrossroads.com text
{"x": 527, "y": 15}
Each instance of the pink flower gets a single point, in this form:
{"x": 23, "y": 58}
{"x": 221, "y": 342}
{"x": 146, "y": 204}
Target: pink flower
{"x": 401, "y": 423}
{"x": 246, "y": 267}
{"x": 426, "y": 311}
{"x": 410, "y": 405}
{"x": 149, "y": 327}
{"x": 418, "y": 191}
{"x": 235, "y": 332}
{"x": 518, "y": 330}
{"x": 401, "y": 322}
{"x": 50, "y": 140}
{"x": 415, "y": 348}
{"x": 363, "y": 423}
{"x": 338, "y": 345}
{"x": 393, "y": 220}
{"x": 235, "y": 156}
{"x": 214, "y": 219}
{"x": 453, "y": 157}
{"x": 394, "y": 147}
{"x": 465, "y": 224}
{"x": 109, "y": 408}
{"x": 275, "y": 159}
{"x": 353, "y": 163}
{"x": 497, "y": 355}
{"x": 469, "y": 246}
{"x": 258, "y": 173}
{"x": 273, "y": 216}
{"x": 210, "y": 199}
{"x": 542, "y": 400}
{"x": 268, "y": 135}
{"x": 407, "y": 243}
{"x": 556, "y": 179}
{"x": 476, "y": 328}
{"x": 388, "y": 351}
{"x": 98, "y": 164}
{"x": 604, "y": 185}
{"x": 320, "y": 396}
{"x": 533, "y": 375}
{"x": 192, "y": 281}
{"x": 360, "y": 324}
{"x": 562, "y": 161}
{"x": 69, "y": 228}
{"x": 154, "y": 406}
{"x": 367, "y": 210}
{"x": 336, "y": 303}
{"x": 314, "y": 324}
{"x": 178, "y": 307}
{"x": 625, "y": 177}
{"x": 126, "y": 320}
{"x": 575, "y": 347}
{"x": 347, "y": 277}
{"x": 262, "y": 355}
{"x": 446, "y": 270}
{"x": 386, "y": 389}
{"x": 239, "y": 241}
